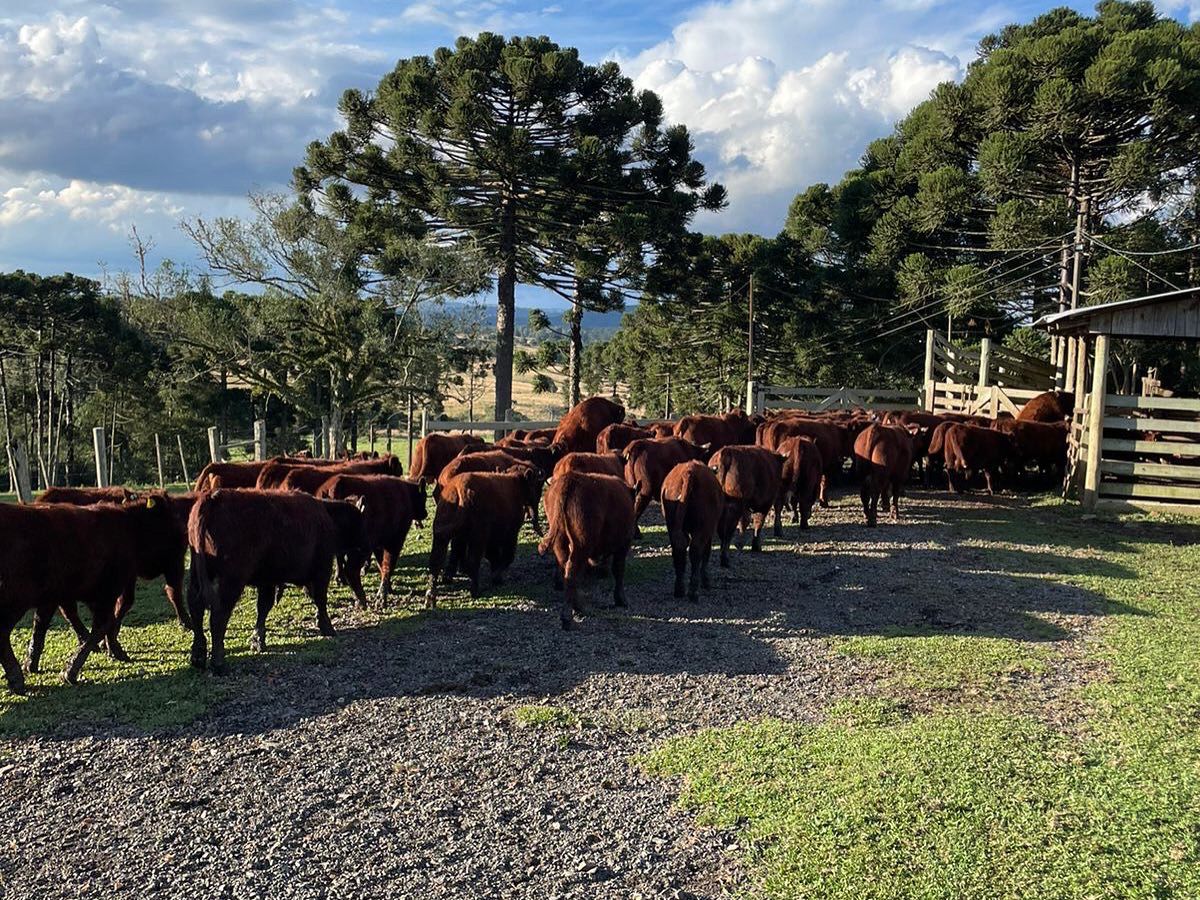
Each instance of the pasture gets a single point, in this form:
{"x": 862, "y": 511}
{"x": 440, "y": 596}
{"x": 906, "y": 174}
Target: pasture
{"x": 994, "y": 696}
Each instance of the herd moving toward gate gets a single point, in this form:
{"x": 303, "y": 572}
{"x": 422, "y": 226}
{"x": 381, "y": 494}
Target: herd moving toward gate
{"x": 289, "y": 520}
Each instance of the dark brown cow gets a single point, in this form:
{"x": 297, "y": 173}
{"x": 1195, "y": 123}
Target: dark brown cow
{"x": 85, "y": 496}
{"x": 217, "y": 475}
{"x": 968, "y": 449}
{"x": 435, "y": 450}
{"x": 497, "y": 461}
{"x": 539, "y": 455}
{"x": 589, "y": 520}
{"x": 660, "y": 429}
{"x": 751, "y": 477}
{"x": 579, "y": 428}
{"x": 266, "y": 539}
{"x": 882, "y": 458}
{"x": 647, "y": 463}
{"x": 390, "y": 507}
{"x": 595, "y": 463}
{"x": 478, "y": 515}
{"x": 59, "y": 554}
{"x": 293, "y": 477}
{"x": 835, "y": 442}
{"x": 803, "y": 469}
{"x": 1051, "y": 406}
{"x": 692, "y": 504}
{"x": 1043, "y": 444}
{"x": 618, "y": 436}
{"x": 716, "y": 432}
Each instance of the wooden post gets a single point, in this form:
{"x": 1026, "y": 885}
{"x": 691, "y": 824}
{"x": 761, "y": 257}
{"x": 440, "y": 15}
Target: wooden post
{"x": 1095, "y": 429}
{"x": 424, "y": 421}
{"x": 985, "y": 361}
{"x": 371, "y": 436}
{"x": 388, "y": 423}
{"x": 187, "y": 479}
{"x": 1072, "y": 356}
{"x": 162, "y": 482}
{"x": 100, "y": 444}
{"x": 751, "y": 397}
{"x": 20, "y": 471}
{"x": 929, "y": 339}
{"x": 260, "y": 440}
{"x": 1079, "y": 379}
{"x": 326, "y": 448}
{"x": 408, "y": 429}
{"x": 214, "y": 444}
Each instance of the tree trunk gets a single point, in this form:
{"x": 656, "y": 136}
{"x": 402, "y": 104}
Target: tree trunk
{"x": 12, "y": 479}
{"x": 575, "y": 357}
{"x": 505, "y": 311}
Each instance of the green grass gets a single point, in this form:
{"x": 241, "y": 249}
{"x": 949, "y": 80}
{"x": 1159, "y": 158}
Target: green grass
{"x": 538, "y": 715}
{"x": 880, "y": 803}
{"x": 924, "y": 660}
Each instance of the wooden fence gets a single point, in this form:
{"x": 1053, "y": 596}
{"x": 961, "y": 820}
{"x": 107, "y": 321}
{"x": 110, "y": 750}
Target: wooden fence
{"x": 973, "y": 400}
{"x": 1149, "y": 453}
{"x": 768, "y": 396}
{"x": 989, "y": 366}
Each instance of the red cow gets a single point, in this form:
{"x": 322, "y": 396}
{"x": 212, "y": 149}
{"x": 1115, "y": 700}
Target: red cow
{"x": 266, "y": 539}
{"x": 751, "y": 477}
{"x": 54, "y": 555}
{"x": 647, "y": 463}
{"x": 716, "y": 432}
{"x": 85, "y": 496}
{"x": 589, "y": 519}
{"x": 390, "y": 506}
{"x": 833, "y": 441}
{"x": 538, "y": 455}
{"x": 478, "y": 515}
{"x": 692, "y": 504}
{"x": 882, "y": 458}
{"x": 801, "y": 479}
{"x": 229, "y": 475}
{"x": 497, "y": 461}
{"x": 435, "y": 450}
{"x": 594, "y": 463}
{"x": 579, "y": 428}
{"x": 291, "y": 477}
{"x": 968, "y": 449}
{"x": 1051, "y": 406}
{"x": 618, "y": 436}
{"x": 1043, "y": 444}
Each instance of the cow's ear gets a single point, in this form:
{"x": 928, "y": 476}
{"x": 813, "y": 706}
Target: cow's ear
{"x": 150, "y": 501}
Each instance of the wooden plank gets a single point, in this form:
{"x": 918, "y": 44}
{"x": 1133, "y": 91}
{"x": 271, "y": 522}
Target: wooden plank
{"x": 1167, "y": 426}
{"x": 1149, "y": 470}
{"x": 1141, "y": 489}
{"x": 1175, "y": 404}
{"x": 1165, "y": 448}
{"x": 450, "y": 425}
{"x": 1110, "y": 505}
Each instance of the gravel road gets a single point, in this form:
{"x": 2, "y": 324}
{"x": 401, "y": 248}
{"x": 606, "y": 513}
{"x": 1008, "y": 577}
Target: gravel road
{"x": 401, "y": 769}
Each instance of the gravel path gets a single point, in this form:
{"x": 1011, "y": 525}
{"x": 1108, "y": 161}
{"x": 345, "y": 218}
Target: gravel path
{"x": 401, "y": 769}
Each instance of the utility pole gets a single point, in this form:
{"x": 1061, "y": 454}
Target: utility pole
{"x": 750, "y": 337}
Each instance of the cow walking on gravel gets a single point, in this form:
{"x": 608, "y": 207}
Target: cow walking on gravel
{"x": 882, "y": 460}
{"x": 692, "y": 504}
{"x": 751, "y": 478}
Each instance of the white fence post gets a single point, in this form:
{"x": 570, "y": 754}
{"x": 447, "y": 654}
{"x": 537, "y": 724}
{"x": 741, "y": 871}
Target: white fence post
{"x": 752, "y": 397}
{"x": 183, "y": 460}
{"x": 929, "y": 370}
{"x": 260, "y": 440}
{"x": 158, "y": 457}
{"x": 214, "y": 445}
{"x": 100, "y": 444}
{"x": 19, "y": 462}
{"x": 326, "y": 450}
{"x": 985, "y": 361}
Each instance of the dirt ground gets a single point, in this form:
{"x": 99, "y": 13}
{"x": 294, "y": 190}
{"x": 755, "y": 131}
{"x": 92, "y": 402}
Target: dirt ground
{"x": 412, "y": 765}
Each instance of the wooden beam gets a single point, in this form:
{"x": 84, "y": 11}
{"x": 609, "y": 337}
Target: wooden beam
{"x": 1091, "y": 476}
{"x": 100, "y": 445}
{"x": 1150, "y": 470}
{"x": 1164, "y": 448}
{"x": 1162, "y": 491}
{"x": 1170, "y": 426}
{"x": 1179, "y": 404}
{"x": 930, "y": 336}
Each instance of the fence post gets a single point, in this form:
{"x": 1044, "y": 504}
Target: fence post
{"x": 214, "y": 444}
{"x": 929, "y": 338}
{"x": 388, "y": 423}
{"x": 371, "y": 436}
{"x": 985, "y": 361}
{"x": 326, "y": 450}
{"x": 162, "y": 482}
{"x": 751, "y": 397}
{"x": 260, "y": 440}
{"x": 1095, "y": 429}
{"x": 20, "y": 471}
{"x": 424, "y": 422}
{"x": 187, "y": 479}
{"x": 100, "y": 444}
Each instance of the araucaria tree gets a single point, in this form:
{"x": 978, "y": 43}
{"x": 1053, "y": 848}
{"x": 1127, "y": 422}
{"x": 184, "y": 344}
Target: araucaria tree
{"x": 559, "y": 173}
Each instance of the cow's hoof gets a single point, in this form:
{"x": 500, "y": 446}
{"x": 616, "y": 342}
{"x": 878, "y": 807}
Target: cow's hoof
{"x": 70, "y": 676}
{"x": 219, "y": 669}
{"x": 17, "y": 686}
{"x": 326, "y": 629}
{"x": 117, "y": 652}
{"x": 199, "y": 661}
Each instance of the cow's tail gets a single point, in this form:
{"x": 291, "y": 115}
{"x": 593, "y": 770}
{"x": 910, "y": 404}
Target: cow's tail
{"x": 556, "y": 518}
{"x": 202, "y": 591}
{"x": 937, "y": 442}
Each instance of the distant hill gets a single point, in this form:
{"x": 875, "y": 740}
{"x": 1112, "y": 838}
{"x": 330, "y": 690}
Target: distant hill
{"x": 596, "y": 326}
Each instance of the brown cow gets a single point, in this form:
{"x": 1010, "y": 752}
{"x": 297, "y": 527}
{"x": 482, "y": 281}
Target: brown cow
{"x": 1051, "y": 406}
{"x": 835, "y": 442}
{"x": 85, "y": 496}
{"x": 968, "y": 449}
{"x": 803, "y": 469}
{"x": 751, "y": 477}
{"x": 716, "y": 432}
{"x": 541, "y": 456}
{"x": 1043, "y": 444}
{"x": 882, "y": 458}
{"x": 229, "y": 475}
{"x": 293, "y": 477}
{"x": 647, "y": 463}
{"x": 660, "y": 429}
{"x": 692, "y": 504}
{"x": 391, "y": 506}
{"x": 579, "y": 428}
{"x": 589, "y": 519}
{"x": 497, "y": 461}
{"x": 595, "y": 463}
{"x": 435, "y": 450}
{"x": 58, "y": 554}
{"x": 617, "y": 436}
{"x": 266, "y": 539}
{"x": 478, "y": 515}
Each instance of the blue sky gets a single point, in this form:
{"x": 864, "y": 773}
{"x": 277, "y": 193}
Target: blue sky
{"x": 149, "y": 111}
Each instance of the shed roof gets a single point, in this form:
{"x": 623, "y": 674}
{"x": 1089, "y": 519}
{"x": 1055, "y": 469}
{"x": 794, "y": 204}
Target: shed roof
{"x": 1174, "y": 315}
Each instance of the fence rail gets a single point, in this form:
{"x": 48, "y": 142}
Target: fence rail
{"x": 1150, "y": 453}
{"x": 768, "y": 396}
{"x": 428, "y": 425}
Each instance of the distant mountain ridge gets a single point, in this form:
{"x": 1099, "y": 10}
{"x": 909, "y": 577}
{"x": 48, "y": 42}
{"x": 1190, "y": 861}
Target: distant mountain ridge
{"x": 592, "y": 321}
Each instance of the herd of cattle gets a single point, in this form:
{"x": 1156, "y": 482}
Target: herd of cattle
{"x": 289, "y": 520}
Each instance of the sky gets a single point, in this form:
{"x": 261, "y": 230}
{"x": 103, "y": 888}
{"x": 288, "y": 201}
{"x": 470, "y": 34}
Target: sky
{"x": 146, "y": 112}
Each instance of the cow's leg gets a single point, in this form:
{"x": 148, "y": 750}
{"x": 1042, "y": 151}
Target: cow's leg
{"x": 679, "y": 559}
{"x": 195, "y": 602}
{"x": 102, "y": 621}
{"x": 864, "y": 494}
{"x": 508, "y": 552}
{"x": 354, "y": 567}
{"x": 266, "y": 602}
{"x": 454, "y": 558}
{"x": 570, "y": 589}
{"x": 896, "y": 502}
{"x": 743, "y": 525}
{"x": 387, "y": 559}
{"x": 725, "y": 527}
{"x": 760, "y": 520}
{"x": 561, "y": 553}
{"x": 173, "y": 588}
{"x": 618, "y": 570}
{"x": 437, "y": 559}
{"x": 12, "y": 669}
{"x": 37, "y": 640}
{"x": 696, "y": 558}
{"x": 987, "y": 479}
{"x": 640, "y": 502}
{"x": 780, "y": 500}
{"x": 228, "y": 593}
{"x": 70, "y": 612}
{"x": 473, "y": 563}
{"x": 705, "y": 556}
{"x": 318, "y": 592}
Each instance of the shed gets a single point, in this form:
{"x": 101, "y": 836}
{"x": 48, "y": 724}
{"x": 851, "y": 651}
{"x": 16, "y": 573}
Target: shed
{"x": 1141, "y": 452}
